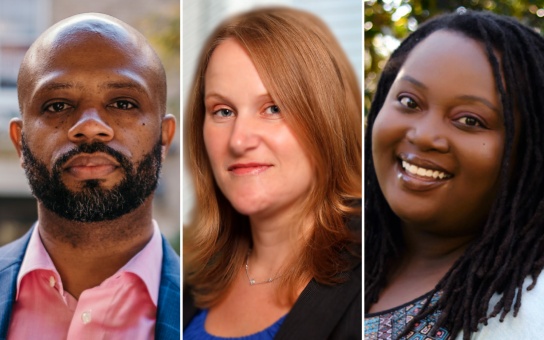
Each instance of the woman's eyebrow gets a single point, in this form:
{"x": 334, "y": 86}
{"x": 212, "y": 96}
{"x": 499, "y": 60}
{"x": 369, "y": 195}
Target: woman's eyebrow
{"x": 214, "y": 95}
{"x": 480, "y": 100}
{"x": 466, "y": 97}
{"x": 413, "y": 81}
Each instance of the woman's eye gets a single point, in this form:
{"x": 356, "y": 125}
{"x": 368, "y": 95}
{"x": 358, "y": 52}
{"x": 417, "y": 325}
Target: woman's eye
{"x": 223, "y": 113}
{"x": 274, "y": 109}
{"x": 408, "y": 102}
{"x": 57, "y": 107}
{"x": 123, "y": 105}
{"x": 469, "y": 121}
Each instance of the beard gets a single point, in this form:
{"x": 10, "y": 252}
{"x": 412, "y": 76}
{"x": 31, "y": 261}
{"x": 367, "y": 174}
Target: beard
{"x": 93, "y": 203}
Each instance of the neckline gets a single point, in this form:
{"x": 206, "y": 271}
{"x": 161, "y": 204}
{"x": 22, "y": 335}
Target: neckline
{"x": 390, "y": 310}
{"x": 247, "y": 336}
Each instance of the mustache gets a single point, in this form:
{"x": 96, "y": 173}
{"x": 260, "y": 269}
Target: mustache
{"x": 92, "y": 148}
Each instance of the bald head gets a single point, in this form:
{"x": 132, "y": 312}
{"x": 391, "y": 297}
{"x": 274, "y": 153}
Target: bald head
{"x": 84, "y": 37}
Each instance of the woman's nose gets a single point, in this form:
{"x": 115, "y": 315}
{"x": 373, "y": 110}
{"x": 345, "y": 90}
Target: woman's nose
{"x": 245, "y": 135}
{"x": 428, "y": 133}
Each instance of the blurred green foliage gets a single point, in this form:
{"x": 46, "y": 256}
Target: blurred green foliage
{"x": 163, "y": 32}
{"x": 387, "y": 22}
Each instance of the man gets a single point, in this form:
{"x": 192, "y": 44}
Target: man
{"x": 91, "y": 138}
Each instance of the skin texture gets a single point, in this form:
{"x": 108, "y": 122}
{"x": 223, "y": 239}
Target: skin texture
{"x": 442, "y": 113}
{"x": 88, "y": 79}
{"x": 244, "y": 127}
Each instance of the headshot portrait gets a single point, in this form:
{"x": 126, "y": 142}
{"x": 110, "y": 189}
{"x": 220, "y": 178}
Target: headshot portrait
{"x": 272, "y": 140}
{"x": 92, "y": 135}
{"x": 453, "y": 186}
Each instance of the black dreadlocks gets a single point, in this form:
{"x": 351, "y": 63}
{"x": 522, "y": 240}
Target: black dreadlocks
{"x": 510, "y": 247}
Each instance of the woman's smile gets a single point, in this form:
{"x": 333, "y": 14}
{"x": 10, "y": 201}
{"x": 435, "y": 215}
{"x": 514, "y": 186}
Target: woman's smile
{"x": 438, "y": 142}
{"x": 418, "y": 174}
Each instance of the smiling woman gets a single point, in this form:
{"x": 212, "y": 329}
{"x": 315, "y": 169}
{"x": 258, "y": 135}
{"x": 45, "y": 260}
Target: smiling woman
{"x": 440, "y": 125}
{"x": 274, "y": 143}
{"x": 453, "y": 230}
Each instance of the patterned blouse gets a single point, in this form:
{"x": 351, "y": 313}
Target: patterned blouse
{"x": 387, "y": 325}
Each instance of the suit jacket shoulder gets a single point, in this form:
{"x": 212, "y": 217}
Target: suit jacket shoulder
{"x": 11, "y": 257}
{"x": 168, "y": 309}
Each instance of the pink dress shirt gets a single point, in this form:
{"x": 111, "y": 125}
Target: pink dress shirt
{"x": 124, "y": 306}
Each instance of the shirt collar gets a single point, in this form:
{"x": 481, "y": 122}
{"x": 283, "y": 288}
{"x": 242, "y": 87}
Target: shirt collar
{"x": 146, "y": 264}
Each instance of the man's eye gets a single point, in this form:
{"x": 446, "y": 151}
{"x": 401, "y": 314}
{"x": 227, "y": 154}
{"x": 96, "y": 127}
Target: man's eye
{"x": 123, "y": 105}
{"x": 408, "y": 102}
{"x": 56, "y": 107}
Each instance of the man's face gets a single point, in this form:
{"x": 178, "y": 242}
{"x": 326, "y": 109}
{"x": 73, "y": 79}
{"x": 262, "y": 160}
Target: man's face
{"x": 92, "y": 134}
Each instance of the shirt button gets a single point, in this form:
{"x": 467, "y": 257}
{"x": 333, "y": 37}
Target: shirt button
{"x": 86, "y": 317}
{"x": 51, "y": 281}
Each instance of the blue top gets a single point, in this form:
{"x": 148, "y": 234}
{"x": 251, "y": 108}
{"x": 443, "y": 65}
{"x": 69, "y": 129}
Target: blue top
{"x": 196, "y": 330}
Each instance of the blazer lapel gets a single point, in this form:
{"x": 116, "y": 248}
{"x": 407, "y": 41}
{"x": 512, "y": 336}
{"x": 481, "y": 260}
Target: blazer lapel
{"x": 319, "y": 309}
{"x": 168, "y": 314}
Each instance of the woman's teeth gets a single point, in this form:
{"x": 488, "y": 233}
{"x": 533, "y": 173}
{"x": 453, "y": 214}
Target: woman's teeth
{"x": 413, "y": 169}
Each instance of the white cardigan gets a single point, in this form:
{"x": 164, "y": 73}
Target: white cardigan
{"x": 527, "y": 325}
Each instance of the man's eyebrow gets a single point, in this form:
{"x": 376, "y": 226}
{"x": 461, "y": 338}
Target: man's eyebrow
{"x": 59, "y": 86}
{"x": 124, "y": 85}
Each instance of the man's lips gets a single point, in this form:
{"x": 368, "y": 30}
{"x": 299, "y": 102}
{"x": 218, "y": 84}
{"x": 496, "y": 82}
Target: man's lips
{"x": 90, "y": 166}
{"x": 248, "y": 168}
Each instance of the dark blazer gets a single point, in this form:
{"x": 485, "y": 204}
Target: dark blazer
{"x": 168, "y": 317}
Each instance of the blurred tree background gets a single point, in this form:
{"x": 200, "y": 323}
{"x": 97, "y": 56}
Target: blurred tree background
{"x": 388, "y": 22}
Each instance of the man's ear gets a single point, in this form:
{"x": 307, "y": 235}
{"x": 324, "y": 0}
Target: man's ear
{"x": 167, "y": 133}
{"x": 16, "y": 135}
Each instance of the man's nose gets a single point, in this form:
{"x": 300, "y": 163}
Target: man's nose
{"x": 90, "y": 127}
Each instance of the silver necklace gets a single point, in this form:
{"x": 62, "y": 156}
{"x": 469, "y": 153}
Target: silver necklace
{"x": 252, "y": 282}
